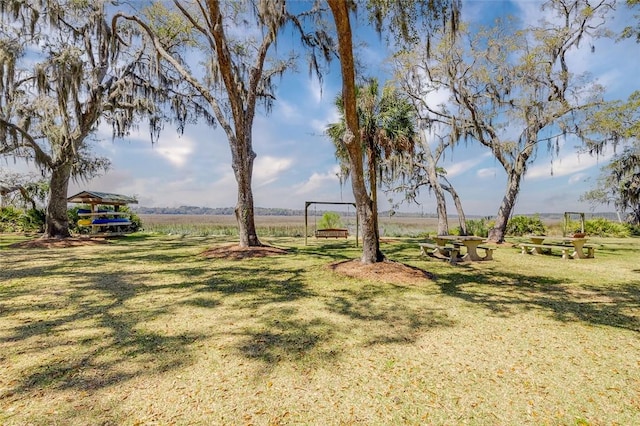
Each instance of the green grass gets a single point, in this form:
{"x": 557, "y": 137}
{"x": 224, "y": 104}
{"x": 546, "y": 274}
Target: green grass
{"x": 145, "y": 330}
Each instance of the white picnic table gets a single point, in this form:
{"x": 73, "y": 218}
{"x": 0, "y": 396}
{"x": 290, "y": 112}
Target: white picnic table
{"x": 576, "y": 245}
{"x": 471, "y": 243}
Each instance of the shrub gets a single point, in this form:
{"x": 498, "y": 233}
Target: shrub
{"x": 330, "y": 220}
{"x": 478, "y": 227}
{"x": 573, "y": 226}
{"x": 16, "y": 220}
{"x": 10, "y": 219}
{"x": 600, "y": 227}
{"x": 523, "y": 225}
{"x": 633, "y": 229}
{"x": 33, "y": 220}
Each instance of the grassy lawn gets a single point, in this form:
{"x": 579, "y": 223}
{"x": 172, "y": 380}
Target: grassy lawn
{"x": 145, "y": 330}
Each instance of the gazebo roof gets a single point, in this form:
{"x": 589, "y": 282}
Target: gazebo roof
{"x": 95, "y": 197}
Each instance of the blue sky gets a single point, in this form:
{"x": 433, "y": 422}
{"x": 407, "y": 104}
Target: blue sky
{"x": 295, "y": 161}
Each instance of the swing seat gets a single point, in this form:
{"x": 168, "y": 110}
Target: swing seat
{"x": 332, "y": 233}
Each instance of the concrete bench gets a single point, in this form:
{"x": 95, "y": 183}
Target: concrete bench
{"x": 488, "y": 252}
{"x": 532, "y": 248}
{"x": 591, "y": 250}
{"x": 450, "y": 253}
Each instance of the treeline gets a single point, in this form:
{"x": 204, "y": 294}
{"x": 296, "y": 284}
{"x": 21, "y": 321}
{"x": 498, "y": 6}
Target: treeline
{"x": 259, "y": 211}
{"x": 221, "y": 211}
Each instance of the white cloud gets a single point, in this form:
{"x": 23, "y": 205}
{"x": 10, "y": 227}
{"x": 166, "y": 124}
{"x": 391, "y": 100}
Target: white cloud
{"x": 317, "y": 181}
{"x": 287, "y": 110}
{"x": 319, "y": 125}
{"x": 486, "y": 172}
{"x": 315, "y": 89}
{"x": 118, "y": 181}
{"x": 568, "y": 164}
{"x": 439, "y": 97}
{"x": 466, "y": 165}
{"x": 267, "y": 169}
{"x": 176, "y": 150}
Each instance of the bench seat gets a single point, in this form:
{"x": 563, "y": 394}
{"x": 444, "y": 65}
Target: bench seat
{"x": 565, "y": 249}
{"x": 450, "y": 253}
{"x": 488, "y": 252}
{"x": 591, "y": 250}
{"x": 332, "y": 233}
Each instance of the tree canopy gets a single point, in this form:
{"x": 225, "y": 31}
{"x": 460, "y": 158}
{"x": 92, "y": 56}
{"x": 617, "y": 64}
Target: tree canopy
{"x": 619, "y": 184}
{"x": 61, "y": 74}
{"x": 512, "y": 89}
{"x": 238, "y": 71}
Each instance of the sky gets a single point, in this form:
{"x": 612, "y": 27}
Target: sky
{"x": 295, "y": 160}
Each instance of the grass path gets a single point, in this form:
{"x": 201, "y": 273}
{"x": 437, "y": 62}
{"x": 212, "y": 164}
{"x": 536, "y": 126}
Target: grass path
{"x": 146, "y": 331}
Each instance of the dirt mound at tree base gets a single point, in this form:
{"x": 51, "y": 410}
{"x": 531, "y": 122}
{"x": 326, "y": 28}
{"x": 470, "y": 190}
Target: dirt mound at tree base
{"x": 235, "y": 252}
{"x": 387, "y": 271}
{"x": 59, "y": 242}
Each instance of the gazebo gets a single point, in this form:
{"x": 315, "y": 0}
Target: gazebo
{"x": 104, "y": 220}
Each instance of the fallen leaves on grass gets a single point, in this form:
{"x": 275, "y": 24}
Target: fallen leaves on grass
{"x": 386, "y": 271}
{"x": 235, "y": 252}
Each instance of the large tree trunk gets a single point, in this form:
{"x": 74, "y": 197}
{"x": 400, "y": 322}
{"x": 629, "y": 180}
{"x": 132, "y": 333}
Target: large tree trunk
{"x": 242, "y": 164}
{"x": 57, "y": 221}
{"x": 373, "y": 188}
{"x": 370, "y": 242}
{"x": 245, "y": 215}
{"x": 441, "y": 203}
{"x": 497, "y": 233}
{"x": 462, "y": 219}
{"x": 441, "y": 209}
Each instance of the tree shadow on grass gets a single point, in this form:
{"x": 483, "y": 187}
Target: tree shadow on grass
{"x": 283, "y": 336}
{"x": 88, "y": 339}
{"x": 327, "y": 253}
{"x": 506, "y": 293}
{"x": 257, "y": 285}
{"x": 386, "y": 314}
{"x": 88, "y": 330}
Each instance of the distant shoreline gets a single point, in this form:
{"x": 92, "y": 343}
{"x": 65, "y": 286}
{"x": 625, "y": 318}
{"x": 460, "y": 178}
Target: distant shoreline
{"x": 265, "y": 211}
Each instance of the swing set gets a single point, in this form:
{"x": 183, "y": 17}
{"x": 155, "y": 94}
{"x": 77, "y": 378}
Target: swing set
{"x": 567, "y": 222}
{"x": 327, "y": 233}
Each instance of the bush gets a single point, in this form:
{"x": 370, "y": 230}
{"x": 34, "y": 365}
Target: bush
{"x": 633, "y": 229}
{"x": 17, "y": 220}
{"x": 600, "y": 227}
{"x": 478, "y": 227}
{"x": 33, "y": 220}
{"x": 330, "y": 220}
{"x": 572, "y": 227}
{"x": 10, "y": 219}
{"x": 525, "y": 225}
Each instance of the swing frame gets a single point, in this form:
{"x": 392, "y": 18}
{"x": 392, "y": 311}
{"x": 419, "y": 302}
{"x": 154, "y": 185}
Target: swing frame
{"x": 567, "y": 219}
{"x": 306, "y": 216}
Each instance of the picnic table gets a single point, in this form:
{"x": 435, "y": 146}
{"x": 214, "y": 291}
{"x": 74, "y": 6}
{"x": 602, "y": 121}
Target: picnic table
{"x": 571, "y": 247}
{"x": 448, "y": 247}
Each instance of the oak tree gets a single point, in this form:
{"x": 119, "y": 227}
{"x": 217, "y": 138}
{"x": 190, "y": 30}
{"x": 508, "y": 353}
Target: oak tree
{"x": 512, "y": 89}
{"x": 237, "y": 72}
{"x": 61, "y": 73}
